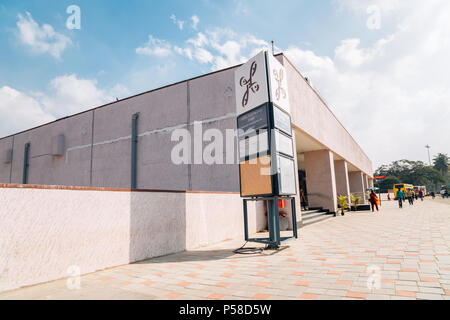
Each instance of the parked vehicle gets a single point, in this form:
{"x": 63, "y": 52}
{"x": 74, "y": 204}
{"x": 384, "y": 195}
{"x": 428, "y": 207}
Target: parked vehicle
{"x": 403, "y": 186}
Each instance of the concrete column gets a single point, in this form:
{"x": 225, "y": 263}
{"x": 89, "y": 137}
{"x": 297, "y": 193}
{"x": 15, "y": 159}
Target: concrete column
{"x": 321, "y": 179}
{"x": 342, "y": 183}
{"x": 356, "y": 180}
{"x": 298, "y": 207}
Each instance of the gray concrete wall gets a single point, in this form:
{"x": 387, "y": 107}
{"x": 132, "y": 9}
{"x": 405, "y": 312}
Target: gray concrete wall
{"x": 98, "y": 142}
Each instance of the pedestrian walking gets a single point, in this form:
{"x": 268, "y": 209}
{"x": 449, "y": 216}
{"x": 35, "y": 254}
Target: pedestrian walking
{"x": 389, "y": 197}
{"x": 373, "y": 199}
{"x": 400, "y": 196}
{"x": 421, "y": 195}
{"x": 410, "y": 197}
{"x": 433, "y": 195}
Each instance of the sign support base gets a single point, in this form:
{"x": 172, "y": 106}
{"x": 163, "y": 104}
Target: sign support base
{"x": 274, "y": 240}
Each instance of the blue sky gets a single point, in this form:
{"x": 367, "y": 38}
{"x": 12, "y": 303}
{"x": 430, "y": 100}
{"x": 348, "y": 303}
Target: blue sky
{"x": 362, "y": 70}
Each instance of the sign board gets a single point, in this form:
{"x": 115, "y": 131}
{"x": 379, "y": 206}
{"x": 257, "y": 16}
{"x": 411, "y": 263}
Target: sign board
{"x": 266, "y": 150}
{"x": 253, "y": 120}
{"x": 379, "y": 177}
{"x": 251, "y": 85}
{"x": 278, "y": 83}
{"x": 282, "y": 121}
{"x": 286, "y": 176}
{"x": 250, "y": 147}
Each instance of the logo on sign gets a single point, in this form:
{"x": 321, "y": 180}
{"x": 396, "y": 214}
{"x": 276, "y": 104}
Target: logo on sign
{"x": 279, "y": 76}
{"x": 250, "y": 84}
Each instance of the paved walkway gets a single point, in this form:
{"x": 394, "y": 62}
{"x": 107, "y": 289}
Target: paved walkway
{"x": 395, "y": 254}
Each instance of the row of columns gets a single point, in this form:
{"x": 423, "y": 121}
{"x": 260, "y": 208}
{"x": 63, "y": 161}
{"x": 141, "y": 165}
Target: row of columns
{"x": 326, "y": 179}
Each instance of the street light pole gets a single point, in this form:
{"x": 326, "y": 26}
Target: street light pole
{"x": 429, "y": 158}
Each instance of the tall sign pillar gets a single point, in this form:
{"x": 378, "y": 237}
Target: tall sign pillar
{"x": 266, "y": 150}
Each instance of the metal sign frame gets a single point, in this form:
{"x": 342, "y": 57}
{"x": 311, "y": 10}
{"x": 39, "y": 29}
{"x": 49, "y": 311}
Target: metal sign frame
{"x": 273, "y": 220}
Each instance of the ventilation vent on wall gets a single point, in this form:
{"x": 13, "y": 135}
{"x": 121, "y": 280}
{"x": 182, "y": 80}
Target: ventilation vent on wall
{"x": 9, "y": 155}
{"x": 58, "y": 145}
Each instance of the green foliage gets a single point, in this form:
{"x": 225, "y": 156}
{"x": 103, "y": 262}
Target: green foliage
{"x": 411, "y": 172}
{"x": 387, "y": 183}
{"x": 355, "y": 201}
{"x": 441, "y": 163}
{"x": 343, "y": 203}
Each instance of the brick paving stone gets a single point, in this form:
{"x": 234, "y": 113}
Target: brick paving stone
{"x": 429, "y": 296}
{"x": 410, "y": 249}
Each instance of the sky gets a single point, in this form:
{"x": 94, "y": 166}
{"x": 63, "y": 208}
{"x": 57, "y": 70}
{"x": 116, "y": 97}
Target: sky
{"x": 382, "y": 66}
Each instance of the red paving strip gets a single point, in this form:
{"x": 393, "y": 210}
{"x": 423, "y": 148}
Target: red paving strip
{"x": 261, "y": 284}
{"x": 215, "y": 296}
{"x": 408, "y": 270}
{"x": 302, "y": 284}
{"x": 334, "y": 272}
{"x": 409, "y": 294}
{"x": 222, "y": 284}
{"x": 192, "y": 275}
{"x": 261, "y": 296}
{"x": 393, "y": 262}
{"x": 359, "y": 295}
{"x": 360, "y": 263}
{"x": 226, "y": 275}
{"x": 173, "y": 295}
{"x": 327, "y": 265}
{"x": 447, "y": 292}
{"x": 184, "y": 284}
{"x": 429, "y": 279}
{"x": 148, "y": 283}
{"x": 344, "y": 282}
{"x": 295, "y": 273}
{"x": 291, "y": 260}
{"x": 308, "y": 296}
{"x": 387, "y": 280}
{"x": 262, "y": 274}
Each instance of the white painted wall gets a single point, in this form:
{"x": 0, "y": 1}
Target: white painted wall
{"x": 44, "y": 230}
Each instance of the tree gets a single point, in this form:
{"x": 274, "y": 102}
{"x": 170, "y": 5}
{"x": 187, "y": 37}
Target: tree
{"x": 411, "y": 172}
{"x": 441, "y": 163}
{"x": 388, "y": 183}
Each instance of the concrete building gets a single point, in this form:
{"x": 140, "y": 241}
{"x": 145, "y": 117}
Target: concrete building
{"x": 93, "y": 150}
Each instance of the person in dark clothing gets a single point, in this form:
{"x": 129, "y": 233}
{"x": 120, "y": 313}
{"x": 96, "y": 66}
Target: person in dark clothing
{"x": 400, "y": 196}
{"x": 421, "y": 195}
{"x": 373, "y": 200}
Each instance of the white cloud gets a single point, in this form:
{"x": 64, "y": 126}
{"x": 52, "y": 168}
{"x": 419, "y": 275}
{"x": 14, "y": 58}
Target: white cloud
{"x": 19, "y": 111}
{"x": 223, "y": 48}
{"x": 179, "y": 23}
{"x": 41, "y": 39}
{"x": 392, "y": 95}
{"x": 155, "y": 47}
{"x": 203, "y": 55}
{"x": 195, "y": 21}
{"x": 69, "y": 95}
{"x": 66, "y": 95}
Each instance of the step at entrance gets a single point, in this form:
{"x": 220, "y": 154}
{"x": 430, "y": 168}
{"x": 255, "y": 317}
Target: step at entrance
{"x": 315, "y": 215}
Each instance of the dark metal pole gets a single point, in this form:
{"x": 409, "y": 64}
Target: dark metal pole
{"x": 245, "y": 220}
{"x": 379, "y": 190}
{"x": 134, "y": 141}
{"x": 294, "y": 218}
{"x": 26, "y": 163}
